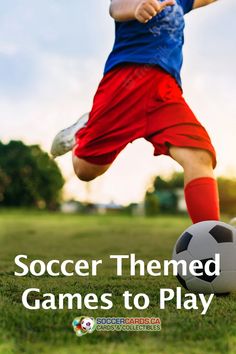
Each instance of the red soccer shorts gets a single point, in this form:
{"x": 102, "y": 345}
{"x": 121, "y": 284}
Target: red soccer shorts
{"x": 139, "y": 101}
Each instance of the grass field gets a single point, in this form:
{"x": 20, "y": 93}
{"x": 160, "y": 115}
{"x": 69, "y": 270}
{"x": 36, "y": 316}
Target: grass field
{"x": 55, "y": 236}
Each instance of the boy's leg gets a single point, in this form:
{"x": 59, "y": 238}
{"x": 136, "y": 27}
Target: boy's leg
{"x": 196, "y": 163}
{"x": 174, "y": 130}
{"x": 201, "y": 191}
{"x": 87, "y": 171}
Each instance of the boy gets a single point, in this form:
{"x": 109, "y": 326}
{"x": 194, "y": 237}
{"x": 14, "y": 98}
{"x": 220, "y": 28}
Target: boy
{"x": 140, "y": 95}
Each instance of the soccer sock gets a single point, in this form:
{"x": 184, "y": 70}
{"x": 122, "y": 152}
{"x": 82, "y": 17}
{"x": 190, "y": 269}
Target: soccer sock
{"x": 202, "y": 199}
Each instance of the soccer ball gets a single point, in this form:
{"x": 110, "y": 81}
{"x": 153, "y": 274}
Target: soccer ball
{"x": 87, "y": 324}
{"x": 202, "y": 242}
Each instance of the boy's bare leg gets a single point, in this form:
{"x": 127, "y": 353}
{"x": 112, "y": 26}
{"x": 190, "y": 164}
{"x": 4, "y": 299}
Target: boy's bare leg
{"x": 201, "y": 191}
{"x": 196, "y": 163}
{"x": 87, "y": 171}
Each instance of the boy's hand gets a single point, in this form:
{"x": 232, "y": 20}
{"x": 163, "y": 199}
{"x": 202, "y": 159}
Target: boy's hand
{"x": 147, "y": 9}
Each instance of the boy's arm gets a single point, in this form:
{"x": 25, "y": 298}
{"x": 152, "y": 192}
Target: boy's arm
{"x": 141, "y": 10}
{"x": 200, "y": 3}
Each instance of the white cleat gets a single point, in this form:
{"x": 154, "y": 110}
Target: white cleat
{"x": 64, "y": 141}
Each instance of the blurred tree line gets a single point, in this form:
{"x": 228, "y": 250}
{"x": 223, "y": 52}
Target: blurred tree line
{"x": 162, "y": 196}
{"x": 28, "y": 177}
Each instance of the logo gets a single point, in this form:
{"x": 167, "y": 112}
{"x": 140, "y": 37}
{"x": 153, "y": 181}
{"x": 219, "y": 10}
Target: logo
{"x": 87, "y": 325}
{"x": 84, "y": 325}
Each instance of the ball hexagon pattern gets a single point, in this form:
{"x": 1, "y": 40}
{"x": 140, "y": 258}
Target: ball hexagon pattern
{"x": 202, "y": 242}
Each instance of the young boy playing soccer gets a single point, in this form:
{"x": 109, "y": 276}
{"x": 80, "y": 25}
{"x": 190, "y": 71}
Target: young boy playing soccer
{"x": 140, "y": 96}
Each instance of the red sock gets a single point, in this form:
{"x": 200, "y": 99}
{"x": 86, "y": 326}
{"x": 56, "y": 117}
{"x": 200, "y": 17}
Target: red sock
{"x": 202, "y": 199}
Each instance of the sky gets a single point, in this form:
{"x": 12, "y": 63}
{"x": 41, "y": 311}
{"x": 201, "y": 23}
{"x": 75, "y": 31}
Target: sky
{"x": 52, "y": 55}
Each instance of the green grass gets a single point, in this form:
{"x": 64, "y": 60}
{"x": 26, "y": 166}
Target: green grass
{"x": 55, "y": 236}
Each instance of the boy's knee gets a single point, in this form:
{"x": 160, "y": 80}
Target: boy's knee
{"x": 196, "y": 163}
{"x": 83, "y": 170}
{"x": 86, "y": 171}
{"x": 85, "y": 176}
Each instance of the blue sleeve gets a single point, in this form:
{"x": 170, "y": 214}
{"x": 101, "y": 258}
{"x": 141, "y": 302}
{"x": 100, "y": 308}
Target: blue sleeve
{"x": 187, "y": 5}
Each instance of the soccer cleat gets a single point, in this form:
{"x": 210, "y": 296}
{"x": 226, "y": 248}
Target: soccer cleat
{"x": 64, "y": 141}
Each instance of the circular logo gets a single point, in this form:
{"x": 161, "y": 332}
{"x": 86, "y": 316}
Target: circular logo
{"x": 84, "y": 325}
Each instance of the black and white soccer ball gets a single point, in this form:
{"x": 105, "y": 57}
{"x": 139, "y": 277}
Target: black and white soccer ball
{"x": 202, "y": 242}
{"x": 87, "y": 324}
